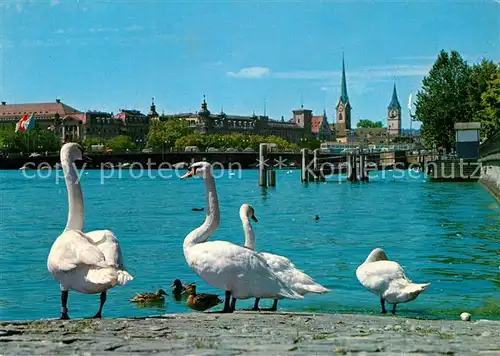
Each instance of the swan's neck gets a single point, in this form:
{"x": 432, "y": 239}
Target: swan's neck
{"x": 249, "y": 234}
{"x": 376, "y": 255}
{"x": 212, "y": 220}
{"x": 75, "y": 197}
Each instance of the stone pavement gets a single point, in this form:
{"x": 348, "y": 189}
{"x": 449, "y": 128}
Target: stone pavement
{"x": 251, "y": 333}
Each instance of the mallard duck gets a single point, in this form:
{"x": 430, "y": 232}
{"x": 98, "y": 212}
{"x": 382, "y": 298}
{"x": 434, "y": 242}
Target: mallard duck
{"x": 179, "y": 288}
{"x": 202, "y": 301}
{"x": 149, "y": 297}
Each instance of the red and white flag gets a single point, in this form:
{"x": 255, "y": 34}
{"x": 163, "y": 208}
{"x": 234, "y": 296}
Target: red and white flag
{"x": 26, "y": 123}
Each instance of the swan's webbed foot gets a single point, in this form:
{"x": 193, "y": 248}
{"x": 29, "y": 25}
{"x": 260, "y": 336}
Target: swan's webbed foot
{"x": 382, "y": 303}
{"x": 97, "y": 316}
{"x": 256, "y": 305}
{"x": 394, "y": 309}
{"x": 64, "y": 316}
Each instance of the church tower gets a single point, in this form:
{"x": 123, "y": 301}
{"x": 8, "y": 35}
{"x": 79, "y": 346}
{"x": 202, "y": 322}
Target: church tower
{"x": 394, "y": 115}
{"x": 343, "y": 108}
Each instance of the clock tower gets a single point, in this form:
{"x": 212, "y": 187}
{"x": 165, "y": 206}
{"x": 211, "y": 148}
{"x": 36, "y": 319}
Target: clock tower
{"x": 343, "y": 108}
{"x": 394, "y": 115}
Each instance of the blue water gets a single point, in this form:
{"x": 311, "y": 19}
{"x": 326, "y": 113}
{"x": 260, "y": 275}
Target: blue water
{"x": 443, "y": 233}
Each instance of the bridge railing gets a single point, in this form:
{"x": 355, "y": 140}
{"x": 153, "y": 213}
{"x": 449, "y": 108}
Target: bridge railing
{"x": 491, "y": 146}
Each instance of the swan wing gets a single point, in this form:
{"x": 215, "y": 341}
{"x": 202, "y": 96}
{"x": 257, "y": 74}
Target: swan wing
{"x": 73, "y": 248}
{"x": 291, "y": 275}
{"x": 379, "y": 276}
{"x": 107, "y": 242}
{"x": 242, "y": 271}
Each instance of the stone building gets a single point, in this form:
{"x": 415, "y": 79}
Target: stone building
{"x": 320, "y": 128}
{"x": 394, "y": 115}
{"x": 56, "y": 116}
{"x": 204, "y": 121}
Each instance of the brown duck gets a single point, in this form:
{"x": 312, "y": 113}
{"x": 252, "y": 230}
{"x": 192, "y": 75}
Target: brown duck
{"x": 202, "y": 301}
{"x": 180, "y": 290}
{"x": 149, "y": 297}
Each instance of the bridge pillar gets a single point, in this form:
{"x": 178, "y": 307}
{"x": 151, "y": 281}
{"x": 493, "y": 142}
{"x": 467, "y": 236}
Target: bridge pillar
{"x": 272, "y": 178}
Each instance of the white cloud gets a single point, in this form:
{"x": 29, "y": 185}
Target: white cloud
{"x": 251, "y": 72}
{"x": 103, "y": 29}
{"x": 55, "y": 2}
{"x": 400, "y": 70}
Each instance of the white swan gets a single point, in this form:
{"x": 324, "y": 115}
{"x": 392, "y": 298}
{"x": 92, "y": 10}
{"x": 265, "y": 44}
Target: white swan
{"x": 86, "y": 262}
{"x": 234, "y": 269}
{"x": 387, "y": 279}
{"x": 281, "y": 266}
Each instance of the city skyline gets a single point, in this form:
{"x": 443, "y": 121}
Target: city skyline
{"x": 242, "y": 56}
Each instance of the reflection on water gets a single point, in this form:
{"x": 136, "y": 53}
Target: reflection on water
{"x": 443, "y": 233}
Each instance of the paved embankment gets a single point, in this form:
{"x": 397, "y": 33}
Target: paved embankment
{"x": 251, "y": 334}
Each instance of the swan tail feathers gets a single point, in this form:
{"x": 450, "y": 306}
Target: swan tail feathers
{"x": 415, "y": 289}
{"x": 124, "y": 277}
{"x": 106, "y": 276}
{"x": 315, "y": 288}
{"x": 290, "y": 293}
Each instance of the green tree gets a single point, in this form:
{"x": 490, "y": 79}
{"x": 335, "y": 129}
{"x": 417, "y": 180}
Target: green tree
{"x": 89, "y": 142}
{"x": 490, "y": 100}
{"x": 165, "y": 134}
{"x": 443, "y": 100}
{"x": 369, "y": 123}
{"x": 120, "y": 143}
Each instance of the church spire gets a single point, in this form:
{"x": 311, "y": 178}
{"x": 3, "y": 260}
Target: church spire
{"x": 394, "y": 104}
{"x": 344, "y": 98}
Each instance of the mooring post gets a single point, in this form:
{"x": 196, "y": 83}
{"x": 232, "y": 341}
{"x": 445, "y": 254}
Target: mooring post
{"x": 272, "y": 178}
{"x": 316, "y": 164}
{"x": 351, "y": 169}
{"x": 262, "y": 165}
{"x": 304, "y": 174}
{"x": 363, "y": 174}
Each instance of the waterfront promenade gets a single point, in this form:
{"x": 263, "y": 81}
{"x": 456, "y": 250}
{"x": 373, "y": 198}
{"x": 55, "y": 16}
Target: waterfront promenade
{"x": 250, "y": 333}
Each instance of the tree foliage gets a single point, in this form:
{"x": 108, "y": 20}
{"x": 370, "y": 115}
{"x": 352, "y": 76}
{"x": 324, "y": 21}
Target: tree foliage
{"x": 165, "y": 134}
{"x": 456, "y": 92}
{"x": 489, "y": 110}
{"x": 237, "y": 141}
{"x": 369, "y": 124}
{"x": 35, "y": 140}
{"x": 120, "y": 143}
{"x": 443, "y": 100}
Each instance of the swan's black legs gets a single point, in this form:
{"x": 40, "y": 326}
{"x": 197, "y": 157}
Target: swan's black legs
{"x": 256, "y": 304}
{"x": 394, "y": 309}
{"x": 103, "y": 300}
{"x": 64, "y": 305}
{"x": 275, "y": 305}
{"x": 233, "y": 305}
{"x": 382, "y": 303}
{"x": 227, "y": 300}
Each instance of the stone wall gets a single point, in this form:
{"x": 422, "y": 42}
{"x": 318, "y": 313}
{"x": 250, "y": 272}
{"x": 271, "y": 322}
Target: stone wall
{"x": 490, "y": 178}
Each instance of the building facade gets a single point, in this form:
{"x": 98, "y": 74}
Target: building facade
{"x": 206, "y": 122}
{"x": 56, "y": 116}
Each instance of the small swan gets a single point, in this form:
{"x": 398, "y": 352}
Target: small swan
{"x": 236, "y": 270}
{"x": 281, "y": 266}
{"x": 387, "y": 279}
{"x": 201, "y": 301}
{"x": 86, "y": 262}
{"x": 149, "y": 297}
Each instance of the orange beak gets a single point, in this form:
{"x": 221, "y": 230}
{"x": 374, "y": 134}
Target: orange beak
{"x": 188, "y": 174}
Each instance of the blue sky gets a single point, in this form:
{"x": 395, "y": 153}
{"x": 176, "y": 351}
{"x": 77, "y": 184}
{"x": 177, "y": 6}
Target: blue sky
{"x": 108, "y": 55}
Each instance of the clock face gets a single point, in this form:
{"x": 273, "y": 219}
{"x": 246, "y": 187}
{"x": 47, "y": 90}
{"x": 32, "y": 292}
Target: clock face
{"x": 393, "y": 113}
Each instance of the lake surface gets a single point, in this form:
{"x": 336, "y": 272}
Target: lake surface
{"x": 444, "y": 233}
